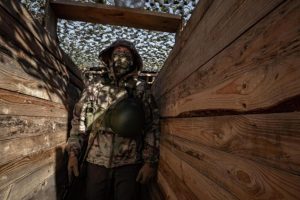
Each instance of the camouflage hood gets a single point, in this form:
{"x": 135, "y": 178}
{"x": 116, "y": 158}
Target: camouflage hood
{"x": 105, "y": 55}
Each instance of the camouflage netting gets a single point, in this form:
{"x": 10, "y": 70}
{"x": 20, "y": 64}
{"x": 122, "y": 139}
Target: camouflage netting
{"x": 83, "y": 41}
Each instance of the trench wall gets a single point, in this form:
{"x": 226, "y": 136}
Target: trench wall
{"x": 229, "y": 97}
{"x": 38, "y": 87}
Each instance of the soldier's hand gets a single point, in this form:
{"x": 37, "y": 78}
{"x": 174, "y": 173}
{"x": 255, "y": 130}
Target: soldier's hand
{"x": 145, "y": 173}
{"x": 72, "y": 166}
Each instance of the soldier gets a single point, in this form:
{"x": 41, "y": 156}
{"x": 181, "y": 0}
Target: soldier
{"x": 120, "y": 119}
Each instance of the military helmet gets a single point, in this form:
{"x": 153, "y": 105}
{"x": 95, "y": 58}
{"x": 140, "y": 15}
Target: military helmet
{"x": 126, "y": 118}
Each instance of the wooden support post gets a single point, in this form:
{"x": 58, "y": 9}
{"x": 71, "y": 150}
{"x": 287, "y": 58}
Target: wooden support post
{"x": 179, "y": 30}
{"x": 51, "y": 21}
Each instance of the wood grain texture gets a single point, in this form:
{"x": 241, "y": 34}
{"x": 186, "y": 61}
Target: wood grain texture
{"x": 19, "y": 147}
{"x": 22, "y": 167}
{"x": 24, "y": 18}
{"x": 243, "y": 178}
{"x": 104, "y": 14}
{"x": 50, "y": 21}
{"x": 12, "y": 31}
{"x": 56, "y": 84}
{"x": 14, "y": 77}
{"x": 258, "y": 71}
{"x": 200, "y": 186}
{"x": 24, "y": 126}
{"x": 168, "y": 193}
{"x": 25, "y": 74}
{"x": 183, "y": 35}
{"x": 221, "y": 24}
{"x": 27, "y": 185}
{"x": 16, "y": 104}
{"x": 271, "y": 139}
{"x": 178, "y": 187}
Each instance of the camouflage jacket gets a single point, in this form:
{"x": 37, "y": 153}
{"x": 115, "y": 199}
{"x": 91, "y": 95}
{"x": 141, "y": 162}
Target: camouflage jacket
{"x": 108, "y": 149}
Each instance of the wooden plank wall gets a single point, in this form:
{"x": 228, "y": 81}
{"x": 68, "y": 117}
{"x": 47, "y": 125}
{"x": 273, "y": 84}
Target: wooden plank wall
{"x": 38, "y": 87}
{"x": 229, "y": 96}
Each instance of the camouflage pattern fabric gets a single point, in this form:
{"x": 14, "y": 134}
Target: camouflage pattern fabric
{"x": 108, "y": 149}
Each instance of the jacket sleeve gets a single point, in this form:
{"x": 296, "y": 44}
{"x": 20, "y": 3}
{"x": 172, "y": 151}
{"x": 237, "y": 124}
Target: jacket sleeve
{"x": 152, "y": 131}
{"x": 78, "y": 132}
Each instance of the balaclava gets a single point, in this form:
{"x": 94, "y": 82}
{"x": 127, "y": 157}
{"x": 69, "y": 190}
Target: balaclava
{"x": 122, "y": 62}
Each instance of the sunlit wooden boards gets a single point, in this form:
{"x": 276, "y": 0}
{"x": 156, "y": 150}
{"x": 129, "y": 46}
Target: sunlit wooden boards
{"x": 38, "y": 88}
{"x": 28, "y": 31}
{"x": 229, "y": 97}
{"x": 104, "y": 14}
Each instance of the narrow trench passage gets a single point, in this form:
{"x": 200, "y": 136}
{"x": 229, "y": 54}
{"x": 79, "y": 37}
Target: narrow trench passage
{"x": 228, "y": 117}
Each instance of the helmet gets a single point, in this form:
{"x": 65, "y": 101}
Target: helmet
{"x": 126, "y": 118}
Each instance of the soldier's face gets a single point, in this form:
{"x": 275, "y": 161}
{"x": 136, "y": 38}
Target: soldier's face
{"x": 122, "y": 60}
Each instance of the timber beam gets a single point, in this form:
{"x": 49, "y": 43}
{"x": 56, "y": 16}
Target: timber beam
{"x": 112, "y": 15}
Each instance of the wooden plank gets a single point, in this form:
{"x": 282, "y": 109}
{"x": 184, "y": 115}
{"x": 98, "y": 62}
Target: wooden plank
{"x": 20, "y": 147}
{"x": 221, "y": 24}
{"x": 258, "y": 71}
{"x": 52, "y": 85}
{"x": 168, "y": 193}
{"x": 20, "y": 169}
{"x": 271, "y": 139}
{"x": 12, "y": 32}
{"x": 14, "y": 76}
{"x": 12, "y": 103}
{"x": 199, "y": 185}
{"x": 46, "y": 190}
{"x": 24, "y": 166}
{"x": 179, "y": 188}
{"x": 120, "y": 16}
{"x": 28, "y": 184}
{"x": 24, "y": 18}
{"x": 183, "y": 36}
{"x": 50, "y": 21}
{"x": 23, "y": 126}
{"x": 243, "y": 178}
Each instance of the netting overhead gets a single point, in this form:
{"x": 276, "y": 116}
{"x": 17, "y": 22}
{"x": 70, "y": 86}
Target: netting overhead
{"x": 83, "y": 41}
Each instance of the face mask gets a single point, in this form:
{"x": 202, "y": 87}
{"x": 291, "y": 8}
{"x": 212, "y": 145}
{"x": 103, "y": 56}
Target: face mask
{"x": 122, "y": 62}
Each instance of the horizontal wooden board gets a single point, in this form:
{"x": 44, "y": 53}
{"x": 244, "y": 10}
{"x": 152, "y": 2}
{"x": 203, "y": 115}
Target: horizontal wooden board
{"x": 272, "y": 139}
{"x": 55, "y": 83}
{"x": 243, "y": 178}
{"x": 22, "y": 167}
{"x": 12, "y": 103}
{"x": 11, "y": 31}
{"x": 19, "y": 147}
{"x": 258, "y": 71}
{"x": 24, "y": 19}
{"x": 15, "y": 77}
{"x": 168, "y": 193}
{"x": 183, "y": 35}
{"x": 179, "y": 188}
{"x": 199, "y": 185}
{"x": 24, "y": 126}
{"x": 47, "y": 190}
{"x": 120, "y": 16}
{"x": 25, "y": 186}
{"x": 221, "y": 24}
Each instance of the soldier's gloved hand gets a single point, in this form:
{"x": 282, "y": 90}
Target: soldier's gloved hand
{"x": 145, "y": 173}
{"x": 72, "y": 166}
